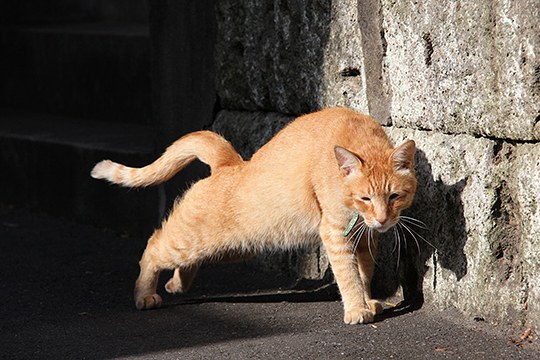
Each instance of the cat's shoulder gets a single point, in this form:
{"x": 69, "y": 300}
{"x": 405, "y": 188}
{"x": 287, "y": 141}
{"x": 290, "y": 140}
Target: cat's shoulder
{"x": 334, "y": 118}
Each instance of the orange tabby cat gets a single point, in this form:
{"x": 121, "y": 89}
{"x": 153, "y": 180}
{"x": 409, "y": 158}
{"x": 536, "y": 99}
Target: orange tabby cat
{"x": 327, "y": 176}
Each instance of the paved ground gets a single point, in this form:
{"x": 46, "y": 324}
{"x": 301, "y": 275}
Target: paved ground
{"x": 66, "y": 294}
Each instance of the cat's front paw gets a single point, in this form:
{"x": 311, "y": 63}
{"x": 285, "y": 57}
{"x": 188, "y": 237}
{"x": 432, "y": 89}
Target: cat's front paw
{"x": 148, "y": 302}
{"x": 358, "y": 316}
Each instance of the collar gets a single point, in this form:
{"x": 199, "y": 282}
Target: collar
{"x": 350, "y": 226}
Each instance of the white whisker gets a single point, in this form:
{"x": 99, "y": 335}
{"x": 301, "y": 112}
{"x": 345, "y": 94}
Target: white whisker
{"x": 360, "y": 227}
{"x": 414, "y": 237}
{"x": 397, "y": 239}
{"x": 358, "y": 236}
{"x": 370, "y": 236}
{"x": 398, "y": 253}
{"x": 413, "y": 221}
{"x": 414, "y": 234}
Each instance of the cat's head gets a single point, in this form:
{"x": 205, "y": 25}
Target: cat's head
{"x": 380, "y": 185}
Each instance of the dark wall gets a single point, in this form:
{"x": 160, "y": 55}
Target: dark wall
{"x": 183, "y": 91}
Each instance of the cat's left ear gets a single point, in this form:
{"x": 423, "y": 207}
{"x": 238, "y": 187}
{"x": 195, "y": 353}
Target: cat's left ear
{"x": 349, "y": 163}
{"x": 403, "y": 156}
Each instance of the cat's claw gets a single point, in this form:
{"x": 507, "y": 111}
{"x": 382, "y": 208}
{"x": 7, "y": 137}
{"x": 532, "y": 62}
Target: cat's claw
{"x": 148, "y": 302}
{"x": 358, "y": 316}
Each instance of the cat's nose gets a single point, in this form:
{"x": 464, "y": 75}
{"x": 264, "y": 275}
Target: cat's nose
{"x": 381, "y": 220}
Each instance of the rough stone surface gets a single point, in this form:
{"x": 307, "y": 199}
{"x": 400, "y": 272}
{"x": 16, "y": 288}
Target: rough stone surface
{"x": 523, "y": 181}
{"x": 464, "y": 67}
{"x": 289, "y": 57}
{"x": 270, "y": 54}
{"x": 440, "y": 65}
{"x": 479, "y": 199}
{"x": 248, "y": 131}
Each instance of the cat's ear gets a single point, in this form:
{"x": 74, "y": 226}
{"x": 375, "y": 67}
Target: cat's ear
{"x": 403, "y": 156}
{"x": 349, "y": 163}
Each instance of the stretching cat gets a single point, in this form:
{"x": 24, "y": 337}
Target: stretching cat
{"x": 327, "y": 176}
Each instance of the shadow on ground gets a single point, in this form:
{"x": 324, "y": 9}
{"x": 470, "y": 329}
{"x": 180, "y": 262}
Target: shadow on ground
{"x": 66, "y": 293}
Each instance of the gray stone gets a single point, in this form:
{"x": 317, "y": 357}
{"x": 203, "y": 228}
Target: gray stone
{"x": 269, "y": 55}
{"x": 479, "y": 199}
{"x": 464, "y": 67}
{"x": 520, "y": 174}
{"x": 440, "y": 65}
{"x": 289, "y": 57}
{"x": 248, "y": 131}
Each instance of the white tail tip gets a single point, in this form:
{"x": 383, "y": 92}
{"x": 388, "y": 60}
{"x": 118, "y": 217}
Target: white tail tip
{"x": 104, "y": 170}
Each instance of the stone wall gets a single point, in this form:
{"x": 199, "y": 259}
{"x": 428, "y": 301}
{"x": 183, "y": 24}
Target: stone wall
{"x": 461, "y": 78}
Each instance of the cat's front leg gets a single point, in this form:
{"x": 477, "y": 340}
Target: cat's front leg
{"x": 343, "y": 263}
{"x": 366, "y": 252}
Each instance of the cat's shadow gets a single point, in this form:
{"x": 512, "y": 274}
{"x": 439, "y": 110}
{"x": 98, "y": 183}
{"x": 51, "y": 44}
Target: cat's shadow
{"x": 439, "y": 207}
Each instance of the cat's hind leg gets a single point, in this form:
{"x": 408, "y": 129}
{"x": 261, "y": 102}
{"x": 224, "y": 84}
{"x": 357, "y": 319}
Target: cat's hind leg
{"x": 183, "y": 277}
{"x": 151, "y": 265}
{"x": 181, "y": 280}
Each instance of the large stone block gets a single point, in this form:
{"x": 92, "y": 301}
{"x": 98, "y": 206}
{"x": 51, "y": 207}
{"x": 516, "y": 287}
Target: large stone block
{"x": 520, "y": 199}
{"x": 464, "y": 67}
{"x": 439, "y": 65}
{"x": 247, "y": 130}
{"x": 289, "y": 57}
{"x": 479, "y": 199}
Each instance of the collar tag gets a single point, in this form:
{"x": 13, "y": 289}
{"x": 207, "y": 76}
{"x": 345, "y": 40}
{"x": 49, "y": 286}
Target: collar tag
{"x": 351, "y": 224}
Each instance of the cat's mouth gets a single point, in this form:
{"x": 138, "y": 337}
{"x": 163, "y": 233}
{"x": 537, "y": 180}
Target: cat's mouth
{"x": 381, "y": 228}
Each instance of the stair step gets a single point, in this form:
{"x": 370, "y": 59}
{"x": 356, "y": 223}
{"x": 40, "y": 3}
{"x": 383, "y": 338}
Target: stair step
{"x": 46, "y": 163}
{"x": 88, "y": 70}
{"x": 32, "y": 11}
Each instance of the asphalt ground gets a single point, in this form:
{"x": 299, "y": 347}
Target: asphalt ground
{"x": 66, "y": 291}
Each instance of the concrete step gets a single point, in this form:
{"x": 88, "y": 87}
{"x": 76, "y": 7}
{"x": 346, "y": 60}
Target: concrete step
{"x": 46, "y": 163}
{"x": 40, "y": 11}
{"x": 86, "y": 70}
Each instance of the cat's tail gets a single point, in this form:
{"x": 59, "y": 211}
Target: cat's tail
{"x": 208, "y": 147}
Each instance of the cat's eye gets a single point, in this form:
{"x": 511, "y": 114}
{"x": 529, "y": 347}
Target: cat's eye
{"x": 365, "y": 199}
{"x": 393, "y": 197}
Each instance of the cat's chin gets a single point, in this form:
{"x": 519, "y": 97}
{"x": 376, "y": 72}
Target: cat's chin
{"x": 382, "y": 229}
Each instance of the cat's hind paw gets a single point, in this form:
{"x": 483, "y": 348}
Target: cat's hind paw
{"x": 358, "y": 316}
{"x": 376, "y": 306}
{"x": 148, "y": 302}
{"x": 174, "y": 285}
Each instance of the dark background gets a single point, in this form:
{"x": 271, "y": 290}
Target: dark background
{"x": 87, "y": 80}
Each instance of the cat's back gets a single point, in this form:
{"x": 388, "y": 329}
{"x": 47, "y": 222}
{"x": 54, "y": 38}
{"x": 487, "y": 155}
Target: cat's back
{"x": 319, "y": 132}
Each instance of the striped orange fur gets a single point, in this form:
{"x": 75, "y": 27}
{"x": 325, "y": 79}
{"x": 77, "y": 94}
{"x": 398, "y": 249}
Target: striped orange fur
{"x": 301, "y": 187}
